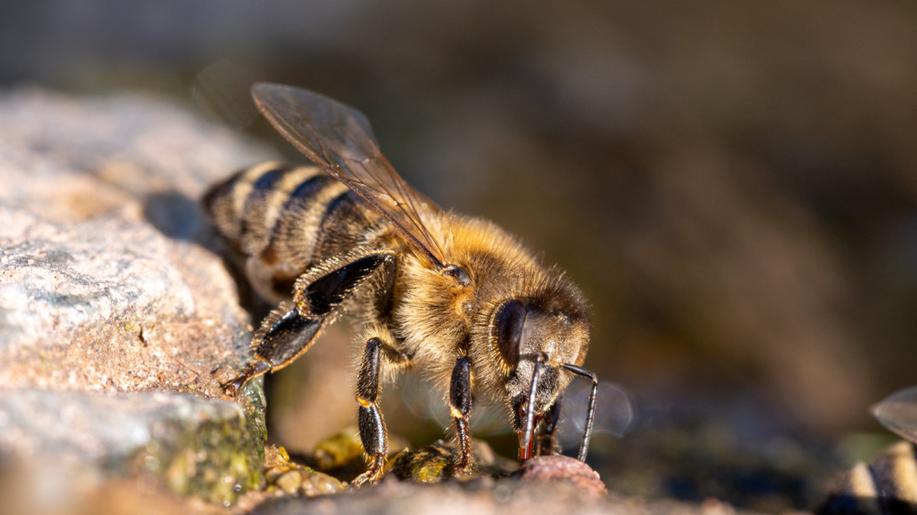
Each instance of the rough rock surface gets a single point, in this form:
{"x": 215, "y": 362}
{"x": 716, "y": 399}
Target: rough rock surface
{"x": 114, "y": 307}
{"x": 482, "y": 497}
{"x": 421, "y": 481}
{"x": 557, "y": 468}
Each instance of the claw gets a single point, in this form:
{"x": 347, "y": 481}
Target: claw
{"x": 465, "y": 471}
{"x": 252, "y": 370}
{"x": 233, "y": 386}
{"x": 371, "y": 476}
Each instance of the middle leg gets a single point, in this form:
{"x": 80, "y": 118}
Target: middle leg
{"x": 370, "y": 421}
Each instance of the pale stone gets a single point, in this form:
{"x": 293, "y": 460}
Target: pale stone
{"x": 115, "y": 304}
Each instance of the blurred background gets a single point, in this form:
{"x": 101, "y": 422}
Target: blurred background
{"x": 733, "y": 184}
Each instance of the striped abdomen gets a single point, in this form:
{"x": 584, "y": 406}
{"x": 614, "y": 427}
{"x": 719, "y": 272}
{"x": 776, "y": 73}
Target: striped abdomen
{"x": 283, "y": 219}
{"x": 888, "y": 485}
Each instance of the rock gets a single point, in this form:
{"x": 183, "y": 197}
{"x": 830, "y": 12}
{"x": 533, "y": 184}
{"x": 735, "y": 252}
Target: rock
{"x": 115, "y": 304}
{"x": 565, "y": 469}
{"x": 285, "y": 476}
{"x": 110, "y": 304}
{"x": 483, "y": 498}
{"x": 339, "y": 451}
{"x": 202, "y": 447}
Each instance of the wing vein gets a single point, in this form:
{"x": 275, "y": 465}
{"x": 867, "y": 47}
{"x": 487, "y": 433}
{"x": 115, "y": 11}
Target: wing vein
{"x": 340, "y": 140}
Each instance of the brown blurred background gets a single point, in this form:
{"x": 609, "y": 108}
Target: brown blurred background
{"x": 733, "y": 184}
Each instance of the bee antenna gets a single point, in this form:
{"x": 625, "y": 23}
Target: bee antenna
{"x": 590, "y": 413}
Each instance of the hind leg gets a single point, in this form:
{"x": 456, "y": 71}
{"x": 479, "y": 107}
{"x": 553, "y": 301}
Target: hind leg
{"x": 290, "y": 330}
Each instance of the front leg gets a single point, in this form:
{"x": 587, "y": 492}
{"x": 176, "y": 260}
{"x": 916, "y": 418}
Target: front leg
{"x": 371, "y": 422}
{"x": 460, "y": 409}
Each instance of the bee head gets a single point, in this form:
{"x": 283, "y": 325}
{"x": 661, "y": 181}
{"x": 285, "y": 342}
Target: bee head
{"x": 535, "y": 340}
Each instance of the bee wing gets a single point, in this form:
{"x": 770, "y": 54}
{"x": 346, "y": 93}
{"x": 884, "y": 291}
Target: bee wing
{"x": 898, "y": 413}
{"x": 340, "y": 140}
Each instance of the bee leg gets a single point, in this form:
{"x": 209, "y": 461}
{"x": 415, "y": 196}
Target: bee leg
{"x": 547, "y": 439}
{"x": 254, "y": 368}
{"x": 288, "y": 331}
{"x": 321, "y": 295}
{"x": 371, "y": 422}
{"x": 460, "y": 409}
{"x": 284, "y": 334}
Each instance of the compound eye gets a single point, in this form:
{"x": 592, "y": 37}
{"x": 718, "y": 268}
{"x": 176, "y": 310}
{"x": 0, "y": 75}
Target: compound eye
{"x": 509, "y": 323}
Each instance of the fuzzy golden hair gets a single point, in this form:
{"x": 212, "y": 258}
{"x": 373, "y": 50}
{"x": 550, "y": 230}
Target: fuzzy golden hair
{"x": 439, "y": 319}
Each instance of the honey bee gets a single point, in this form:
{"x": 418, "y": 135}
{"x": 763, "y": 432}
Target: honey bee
{"x": 887, "y": 485}
{"x": 455, "y": 296}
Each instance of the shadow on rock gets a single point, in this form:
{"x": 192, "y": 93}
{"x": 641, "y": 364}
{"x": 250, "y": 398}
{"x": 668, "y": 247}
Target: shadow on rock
{"x": 179, "y": 217}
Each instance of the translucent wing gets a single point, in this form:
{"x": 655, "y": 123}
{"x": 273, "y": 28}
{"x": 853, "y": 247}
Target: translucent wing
{"x": 898, "y": 413}
{"x": 340, "y": 140}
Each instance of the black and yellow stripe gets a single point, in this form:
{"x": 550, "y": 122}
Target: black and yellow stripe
{"x": 887, "y": 485}
{"x": 284, "y": 218}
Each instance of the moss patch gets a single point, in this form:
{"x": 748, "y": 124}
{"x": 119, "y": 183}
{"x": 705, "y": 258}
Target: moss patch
{"x": 216, "y": 460}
